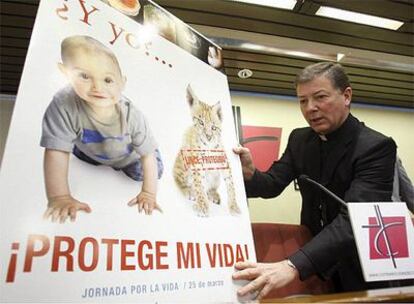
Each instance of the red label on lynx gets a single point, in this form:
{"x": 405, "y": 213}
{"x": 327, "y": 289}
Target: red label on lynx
{"x": 198, "y": 159}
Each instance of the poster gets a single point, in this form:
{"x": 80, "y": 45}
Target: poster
{"x": 110, "y": 252}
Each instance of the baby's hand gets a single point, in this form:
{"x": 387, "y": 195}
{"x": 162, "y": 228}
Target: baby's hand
{"x": 146, "y": 201}
{"x": 64, "y": 206}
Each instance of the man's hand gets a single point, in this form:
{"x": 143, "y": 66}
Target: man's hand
{"x": 146, "y": 201}
{"x": 246, "y": 162}
{"x": 63, "y": 207}
{"x": 264, "y": 277}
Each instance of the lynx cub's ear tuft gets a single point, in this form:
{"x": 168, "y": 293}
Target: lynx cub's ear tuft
{"x": 217, "y": 108}
{"x": 191, "y": 97}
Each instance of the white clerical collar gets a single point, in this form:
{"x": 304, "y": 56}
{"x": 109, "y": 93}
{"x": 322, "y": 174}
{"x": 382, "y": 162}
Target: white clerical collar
{"x": 323, "y": 137}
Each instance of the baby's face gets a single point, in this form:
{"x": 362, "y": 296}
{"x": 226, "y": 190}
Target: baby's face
{"x": 95, "y": 78}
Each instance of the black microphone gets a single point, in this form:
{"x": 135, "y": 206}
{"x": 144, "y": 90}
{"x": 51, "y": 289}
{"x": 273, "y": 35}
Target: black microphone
{"x": 324, "y": 189}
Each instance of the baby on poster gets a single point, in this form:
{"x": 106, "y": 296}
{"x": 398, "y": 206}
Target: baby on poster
{"x": 93, "y": 120}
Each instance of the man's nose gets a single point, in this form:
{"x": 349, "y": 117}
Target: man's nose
{"x": 311, "y": 105}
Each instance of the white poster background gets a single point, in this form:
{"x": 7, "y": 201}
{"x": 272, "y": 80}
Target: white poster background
{"x": 381, "y": 269}
{"x": 159, "y": 91}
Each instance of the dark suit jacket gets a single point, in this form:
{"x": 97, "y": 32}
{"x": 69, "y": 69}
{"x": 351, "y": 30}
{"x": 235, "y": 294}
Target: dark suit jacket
{"x": 359, "y": 167}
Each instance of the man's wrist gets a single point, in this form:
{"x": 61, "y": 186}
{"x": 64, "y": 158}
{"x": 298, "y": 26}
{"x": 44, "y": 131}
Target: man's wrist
{"x": 290, "y": 264}
{"x": 293, "y": 268}
{"x": 249, "y": 173}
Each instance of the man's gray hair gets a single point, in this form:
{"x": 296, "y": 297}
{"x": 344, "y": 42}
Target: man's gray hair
{"x": 333, "y": 71}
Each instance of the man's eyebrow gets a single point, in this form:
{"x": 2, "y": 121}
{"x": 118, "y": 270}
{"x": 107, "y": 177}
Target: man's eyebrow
{"x": 320, "y": 91}
{"x": 314, "y": 93}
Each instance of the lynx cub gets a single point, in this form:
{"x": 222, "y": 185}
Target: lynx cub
{"x": 194, "y": 172}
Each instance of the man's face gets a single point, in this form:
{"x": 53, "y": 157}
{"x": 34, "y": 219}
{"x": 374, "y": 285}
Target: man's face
{"x": 324, "y": 107}
{"x": 95, "y": 78}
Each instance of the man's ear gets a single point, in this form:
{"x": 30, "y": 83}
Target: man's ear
{"x": 61, "y": 68}
{"x": 348, "y": 96}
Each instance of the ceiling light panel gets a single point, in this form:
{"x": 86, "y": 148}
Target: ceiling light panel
{"x": 344, "y": 15}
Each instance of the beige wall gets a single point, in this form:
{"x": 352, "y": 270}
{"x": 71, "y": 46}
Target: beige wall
{"x": 277, "y": 111}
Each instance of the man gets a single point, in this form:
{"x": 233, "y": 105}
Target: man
{"x": 352, "y": 160}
